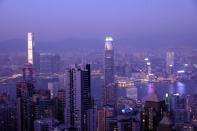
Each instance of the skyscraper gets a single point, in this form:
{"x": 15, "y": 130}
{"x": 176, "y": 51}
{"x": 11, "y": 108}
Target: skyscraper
{"x": 78, "y": 97}
{"x": 109, "y": 86}
{"x": 24, "y": 101}
{"x": 42, "y": 104}
{"x": 105, "y": 115}
{"x": 109, "y": 61}
{"x": 30, "y": 48}
{"x": 28, "y": 73}
{"x": 25, "y": 114}
{"x": 110, "y": 94}
{"x": 59, "y": 106}
{"x": 152, "y": 113}
{"x": 169, "y": 62}
{"x": 33, "y": 57}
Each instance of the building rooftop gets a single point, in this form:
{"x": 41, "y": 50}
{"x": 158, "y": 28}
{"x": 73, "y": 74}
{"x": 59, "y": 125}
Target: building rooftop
{"x": 166, "y": 121}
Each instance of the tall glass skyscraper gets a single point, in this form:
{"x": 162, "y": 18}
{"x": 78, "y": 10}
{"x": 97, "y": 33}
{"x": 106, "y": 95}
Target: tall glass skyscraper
{"x": 109, "y": 61}
{"x": 30, "y": 48}
{"x": 109, "y": 86}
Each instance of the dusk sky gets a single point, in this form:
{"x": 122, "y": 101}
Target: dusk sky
{"x": 53, "y": 20}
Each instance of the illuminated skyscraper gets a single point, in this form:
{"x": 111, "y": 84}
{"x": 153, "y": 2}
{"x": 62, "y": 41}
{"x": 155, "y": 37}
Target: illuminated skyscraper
{"x": 169, "y": 62}
{"x": 33, "y": 57}
{"x": 30, "y": 48}
{"x": 109, "y": 86}
{"x": 109, "y": 61}
{"x": 24, "y": 100}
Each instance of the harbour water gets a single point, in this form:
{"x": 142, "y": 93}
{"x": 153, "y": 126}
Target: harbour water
{"x": 144, "y": 89}
{"x": 183, "y": 88}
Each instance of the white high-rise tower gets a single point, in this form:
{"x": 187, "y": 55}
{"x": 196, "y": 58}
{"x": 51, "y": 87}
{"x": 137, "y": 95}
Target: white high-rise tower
{"x": 169, "y": 62}
{"x": 30, "y": 50}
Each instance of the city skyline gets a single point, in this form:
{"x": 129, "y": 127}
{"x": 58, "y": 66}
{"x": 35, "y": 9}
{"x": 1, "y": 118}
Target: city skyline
{"x": 62, "y": 96}
{"x": 98, "y": 65}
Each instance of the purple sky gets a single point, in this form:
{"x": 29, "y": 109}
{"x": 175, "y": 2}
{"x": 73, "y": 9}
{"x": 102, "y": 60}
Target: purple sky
{"x": 53, "y": 20}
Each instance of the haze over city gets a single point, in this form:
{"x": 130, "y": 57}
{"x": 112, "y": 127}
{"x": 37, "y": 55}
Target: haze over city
{"x": 131, "y": 21}
{"x": 105, "y": 65}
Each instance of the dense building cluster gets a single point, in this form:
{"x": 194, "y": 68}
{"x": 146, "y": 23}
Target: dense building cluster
{"x": 53, "y": 95}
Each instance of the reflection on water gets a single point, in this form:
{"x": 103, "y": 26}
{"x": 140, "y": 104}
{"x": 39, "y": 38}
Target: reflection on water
{"x": 180, "y": 88}
{"x": 143, "y": 90}
{"x": 151, "y": 88}
{"x": 171, "y": 89}
{"x": 188, "y": 87}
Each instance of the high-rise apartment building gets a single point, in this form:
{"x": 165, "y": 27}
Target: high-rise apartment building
{"x": 152, "y": 113}
{"x": 59, "y": 106}
{"x": 78, "y": 97}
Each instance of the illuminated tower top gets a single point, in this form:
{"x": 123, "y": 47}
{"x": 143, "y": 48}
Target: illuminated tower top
{"x": 108, "y": 43}
{"x": 30, "y": 50}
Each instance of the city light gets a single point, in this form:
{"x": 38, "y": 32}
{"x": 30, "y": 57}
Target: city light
{"x": 148, "y": 63}
{"x": 108, "y": 39}
{"x": 166, "y": 94}
{"x": 180, "y": 71}
{"x": 186, "y": 65}
{"x": 146, "y": 59}
{"x": 78, "y": 77}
